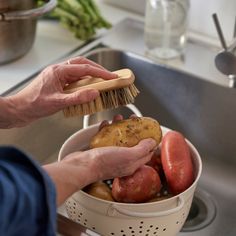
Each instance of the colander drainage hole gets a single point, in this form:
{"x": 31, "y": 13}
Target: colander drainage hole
{"x": 202, "y": 212}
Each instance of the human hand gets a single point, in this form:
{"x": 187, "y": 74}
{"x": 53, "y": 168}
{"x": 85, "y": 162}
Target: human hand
{"x": 110, "y": 162}
{"x": 80, "y": 169}
{"x": 113, "y": 162}
{"x": 85, "y": 167}
{"x": 45, "y": 96}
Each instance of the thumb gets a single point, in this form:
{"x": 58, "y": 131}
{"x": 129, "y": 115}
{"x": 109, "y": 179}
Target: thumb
{"x": 145, "y": 146}
{"x": 81, "y": 96}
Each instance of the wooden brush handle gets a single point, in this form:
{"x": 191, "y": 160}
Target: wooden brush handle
{"x": 125, "y": 78}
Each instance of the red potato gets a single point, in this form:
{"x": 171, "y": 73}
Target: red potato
{"x": 141, "y": 186}
{"x": 176, "y": 161}
{"x": 155, "y": 163}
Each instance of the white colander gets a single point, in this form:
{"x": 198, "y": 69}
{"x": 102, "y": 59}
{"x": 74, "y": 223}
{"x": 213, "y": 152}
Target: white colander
{"x": 107, "y": 218}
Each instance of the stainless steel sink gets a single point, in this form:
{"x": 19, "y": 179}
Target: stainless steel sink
{"x": 204, "y": 112}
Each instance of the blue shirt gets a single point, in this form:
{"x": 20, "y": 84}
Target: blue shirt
{"x": 27, "y": 196}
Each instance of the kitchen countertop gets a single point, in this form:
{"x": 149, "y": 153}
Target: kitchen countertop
{"x": 47, "y": 47}
{"x": 52, "y": 42}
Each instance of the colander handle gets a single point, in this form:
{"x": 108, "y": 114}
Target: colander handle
{"x": 132, "y": 107}
{"x": 113, "y": 209}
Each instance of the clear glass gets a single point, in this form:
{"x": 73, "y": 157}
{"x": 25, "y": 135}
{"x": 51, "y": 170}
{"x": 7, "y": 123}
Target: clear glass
{"x": 165, "y": 27}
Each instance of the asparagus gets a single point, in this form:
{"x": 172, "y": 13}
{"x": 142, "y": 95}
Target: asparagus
{"x": 81, "y": 17}
{"x": 103, "y": 22}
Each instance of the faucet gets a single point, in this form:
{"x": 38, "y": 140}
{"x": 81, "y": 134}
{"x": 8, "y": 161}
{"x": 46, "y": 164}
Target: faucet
{"x": 225, "y": 60}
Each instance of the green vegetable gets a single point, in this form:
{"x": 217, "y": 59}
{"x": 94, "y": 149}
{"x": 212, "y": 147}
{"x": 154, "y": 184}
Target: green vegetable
{"x": 82, "y": 17}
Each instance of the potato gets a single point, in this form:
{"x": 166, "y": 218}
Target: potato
{"x": 99, "y": 190}
{"x": 177, "y": 162}
{"x": 139, "y": 187}
{"x": 155, "y": 162}
{"x": 127, "y": 133}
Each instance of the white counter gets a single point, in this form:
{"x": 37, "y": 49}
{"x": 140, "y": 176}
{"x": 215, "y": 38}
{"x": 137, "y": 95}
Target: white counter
{"x": 52, "y": 43}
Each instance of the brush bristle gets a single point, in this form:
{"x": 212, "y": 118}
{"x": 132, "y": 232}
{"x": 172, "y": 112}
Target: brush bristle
{"x": 106, "y": 100}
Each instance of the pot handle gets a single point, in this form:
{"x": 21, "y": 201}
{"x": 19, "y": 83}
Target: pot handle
{"x": 32, "y": 13}
{"x": 132, "y": 107}
{"x": 113, "y": 209}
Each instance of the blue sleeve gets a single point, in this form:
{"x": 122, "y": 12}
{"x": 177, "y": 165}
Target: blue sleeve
{"x": 27, "y": 196}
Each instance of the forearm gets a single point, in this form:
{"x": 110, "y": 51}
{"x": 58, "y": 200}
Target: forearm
{"x": 69, "y": 178}
{"x": 12, "y": 113}
{"x": 7, "y": 114}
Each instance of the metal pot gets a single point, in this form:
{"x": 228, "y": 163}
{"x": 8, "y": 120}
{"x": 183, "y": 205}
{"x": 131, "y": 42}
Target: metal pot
{"x": 18, "y": 21}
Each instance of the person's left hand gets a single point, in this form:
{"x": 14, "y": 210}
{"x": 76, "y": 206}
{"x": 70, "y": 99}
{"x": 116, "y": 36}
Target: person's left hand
{"x": 44, "y": 95}
{"x": 111, "y": 162}
{"x": 85, "y": 167}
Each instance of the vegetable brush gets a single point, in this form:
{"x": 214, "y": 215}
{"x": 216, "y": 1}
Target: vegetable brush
{"x": 113, "y": 93}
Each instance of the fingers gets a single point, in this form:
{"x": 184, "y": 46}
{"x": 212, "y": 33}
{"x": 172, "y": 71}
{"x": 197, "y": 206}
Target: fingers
{"x": 82, "y": 60}
{"x": 117, "y": 118}
{"x": 137, "y": 164}
{"x": 144, "y": 147}
{"x": 133, "y": 116}
{"x": 106, "y": 122}
{"x": 141, "y": 154}
{"x": 144, "y": 160}
{"x": 74, "y": 72}
{"x": 80, "y": 97}
{"x": 103, "y": 124}
{"x": 110, "y": 162}
{"x": 131, "y": 154}
{"x": 69, "y": 156}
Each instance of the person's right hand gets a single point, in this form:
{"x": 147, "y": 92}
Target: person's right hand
{"x": 45, "y": 94}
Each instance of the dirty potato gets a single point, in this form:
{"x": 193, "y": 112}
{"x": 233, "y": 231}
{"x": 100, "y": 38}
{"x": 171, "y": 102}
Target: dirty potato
{"x": 99, "y": 190}
{"x": 139, "y": 187}
{"x": 127, "y": 133}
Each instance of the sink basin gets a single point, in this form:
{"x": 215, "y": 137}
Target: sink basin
{"x": 204, "y": 112}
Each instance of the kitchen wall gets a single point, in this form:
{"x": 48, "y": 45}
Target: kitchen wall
{"x": 200, "y": 14}
{"x": 201, "y": 21}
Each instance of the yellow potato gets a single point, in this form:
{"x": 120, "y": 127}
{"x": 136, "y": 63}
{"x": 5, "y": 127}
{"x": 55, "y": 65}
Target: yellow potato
{"x": 99, "y": 190}
{"x": 127, "y": 133}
